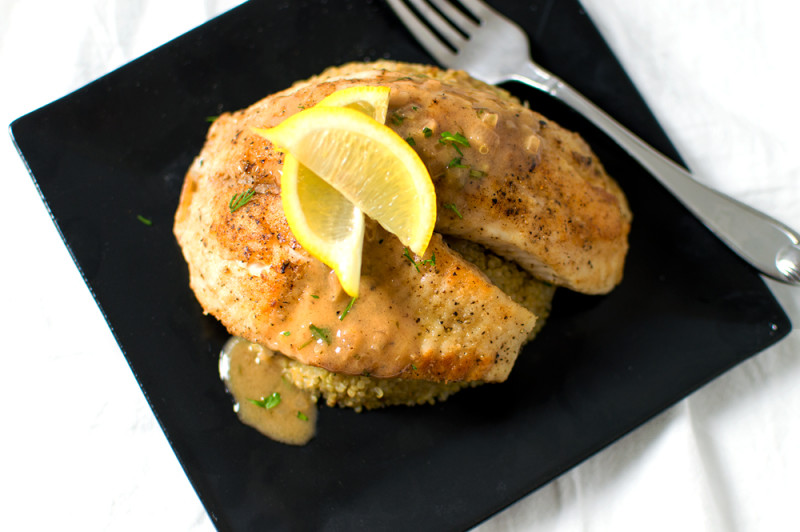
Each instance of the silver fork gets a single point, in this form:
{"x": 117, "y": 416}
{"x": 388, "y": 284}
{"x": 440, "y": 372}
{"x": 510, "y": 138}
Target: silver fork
{"x": 497, "y": 50}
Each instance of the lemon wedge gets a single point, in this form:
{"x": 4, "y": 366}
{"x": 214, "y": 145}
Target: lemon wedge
{"x": 323, "y": 221}
{"x": 368, "y": 163}
{"x": 326, "y": 220}
{"x": 372, "y": 101}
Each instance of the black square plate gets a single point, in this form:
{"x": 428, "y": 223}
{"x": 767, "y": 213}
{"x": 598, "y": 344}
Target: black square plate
{"x": 119, "y": 147}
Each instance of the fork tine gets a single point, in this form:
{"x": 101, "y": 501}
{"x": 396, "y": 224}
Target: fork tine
{"x": 425, "y": 36}
{"x": 456, "y": 17}
{"x": 479, "y": 9}
{"x": 441, "y": 24}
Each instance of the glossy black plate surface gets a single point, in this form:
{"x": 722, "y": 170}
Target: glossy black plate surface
{"x": 119, "y": 147}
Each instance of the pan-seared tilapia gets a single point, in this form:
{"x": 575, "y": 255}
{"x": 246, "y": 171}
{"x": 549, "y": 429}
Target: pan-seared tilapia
{"x": 505, "y": 177}
{"x": 515, "y": 182}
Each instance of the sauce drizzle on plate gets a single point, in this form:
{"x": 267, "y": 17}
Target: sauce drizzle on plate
{"x": 252, "y": 372}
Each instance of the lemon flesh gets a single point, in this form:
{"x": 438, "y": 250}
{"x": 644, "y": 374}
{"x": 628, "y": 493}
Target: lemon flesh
{"x": 368, "y": 163}
{"x": 323, "y": 221}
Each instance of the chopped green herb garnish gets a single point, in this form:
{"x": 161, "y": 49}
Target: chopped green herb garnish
{"x": 212, "y": 119}
{"x": 455, "y": 140}
{"x": 145, "y": 221}
{"x": 414, "y": 367}
{"x": 410, "y": 141}
{"x": 427, "y": 132}
{"x": 452, "y": 207}
{"x": 240, "y": 200}
{"x": 315, "y": 296}
{"x": 301, "y": 107}
{"x": 347, "y": 309}
{"x": 407, "y": 254}
{"x": 477, "y": 173}
{"x": 431, "y": 261}
{"x": 285, "y": 333}
{"x": 456, "y": 163}
{"x": 268, "y": 402}
{"x": 320, "y": 334}
{"x": 397, "y": 119}
{"x": 306, "y": 343}
{"x": 301, "y": 416}
{"x": 414, "y": 107}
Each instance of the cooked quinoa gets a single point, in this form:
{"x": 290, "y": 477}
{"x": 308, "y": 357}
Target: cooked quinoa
{"x": 358, "y": 392}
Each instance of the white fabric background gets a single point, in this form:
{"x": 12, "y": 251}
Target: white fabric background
{"x": 81, "y": 449}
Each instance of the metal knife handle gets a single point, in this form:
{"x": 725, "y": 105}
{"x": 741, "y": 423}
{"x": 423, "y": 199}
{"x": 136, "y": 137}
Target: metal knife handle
{"x": 768, "y": 245}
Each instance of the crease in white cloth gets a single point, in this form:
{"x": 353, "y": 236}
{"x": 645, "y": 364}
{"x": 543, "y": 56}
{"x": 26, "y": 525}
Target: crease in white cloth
{"x": 721, "y": 510}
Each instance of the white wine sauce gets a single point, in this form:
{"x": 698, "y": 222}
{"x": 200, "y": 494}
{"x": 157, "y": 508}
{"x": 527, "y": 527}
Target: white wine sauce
{"x": 264, "y": 399}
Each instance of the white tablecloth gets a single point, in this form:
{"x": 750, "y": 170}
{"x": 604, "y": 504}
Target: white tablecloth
{"x": 81, "y": 449}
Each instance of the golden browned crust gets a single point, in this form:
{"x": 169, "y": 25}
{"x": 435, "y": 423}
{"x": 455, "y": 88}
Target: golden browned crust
{"x": 445, "y": 322}
{"x": 544, "y": 199}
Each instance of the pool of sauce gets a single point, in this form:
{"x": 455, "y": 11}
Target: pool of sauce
{"x": 253, "y": 372}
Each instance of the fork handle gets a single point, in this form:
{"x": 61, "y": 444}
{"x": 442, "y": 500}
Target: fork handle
{"x": 765, "y": 243}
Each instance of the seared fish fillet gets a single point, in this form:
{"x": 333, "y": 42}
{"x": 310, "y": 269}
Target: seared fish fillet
{"x": 524, "y": 188}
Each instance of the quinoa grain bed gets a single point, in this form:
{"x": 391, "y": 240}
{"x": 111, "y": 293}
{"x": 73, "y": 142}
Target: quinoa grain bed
{"x": 358, "y": 391}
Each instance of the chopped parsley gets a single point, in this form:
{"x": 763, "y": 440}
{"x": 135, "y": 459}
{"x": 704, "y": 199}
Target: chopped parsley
{"x": 347, "y": 309}
{"x": 320, "y": 334}
{"x": 145, "y": 221}
{"x": 285, "y": 333}
{"x": 427, "y": 132}
{"x": 431, "y": 261}
{"x": 397, "y": 119}
{"x": 452, "y": 207}
{"x": 411, "y": 141}
{"x": 407, "y": 254}
{"x": 315, "y": 296}
{"x": 455, "y": 162}
{"x": 240, "y": 200}
{"x": 301, "y": 416}
{"x": 267, "y": 402}
{"x": 455, "y": 140}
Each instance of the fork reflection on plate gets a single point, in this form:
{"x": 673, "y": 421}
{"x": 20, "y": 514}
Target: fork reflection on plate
{"x": 494, "y": 49}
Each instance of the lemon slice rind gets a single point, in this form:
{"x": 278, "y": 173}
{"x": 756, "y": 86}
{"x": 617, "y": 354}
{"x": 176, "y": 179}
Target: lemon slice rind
{"x": 368, "y": 163}
{"x": 325, "y": 223}
{"x": 373, "y": 101}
